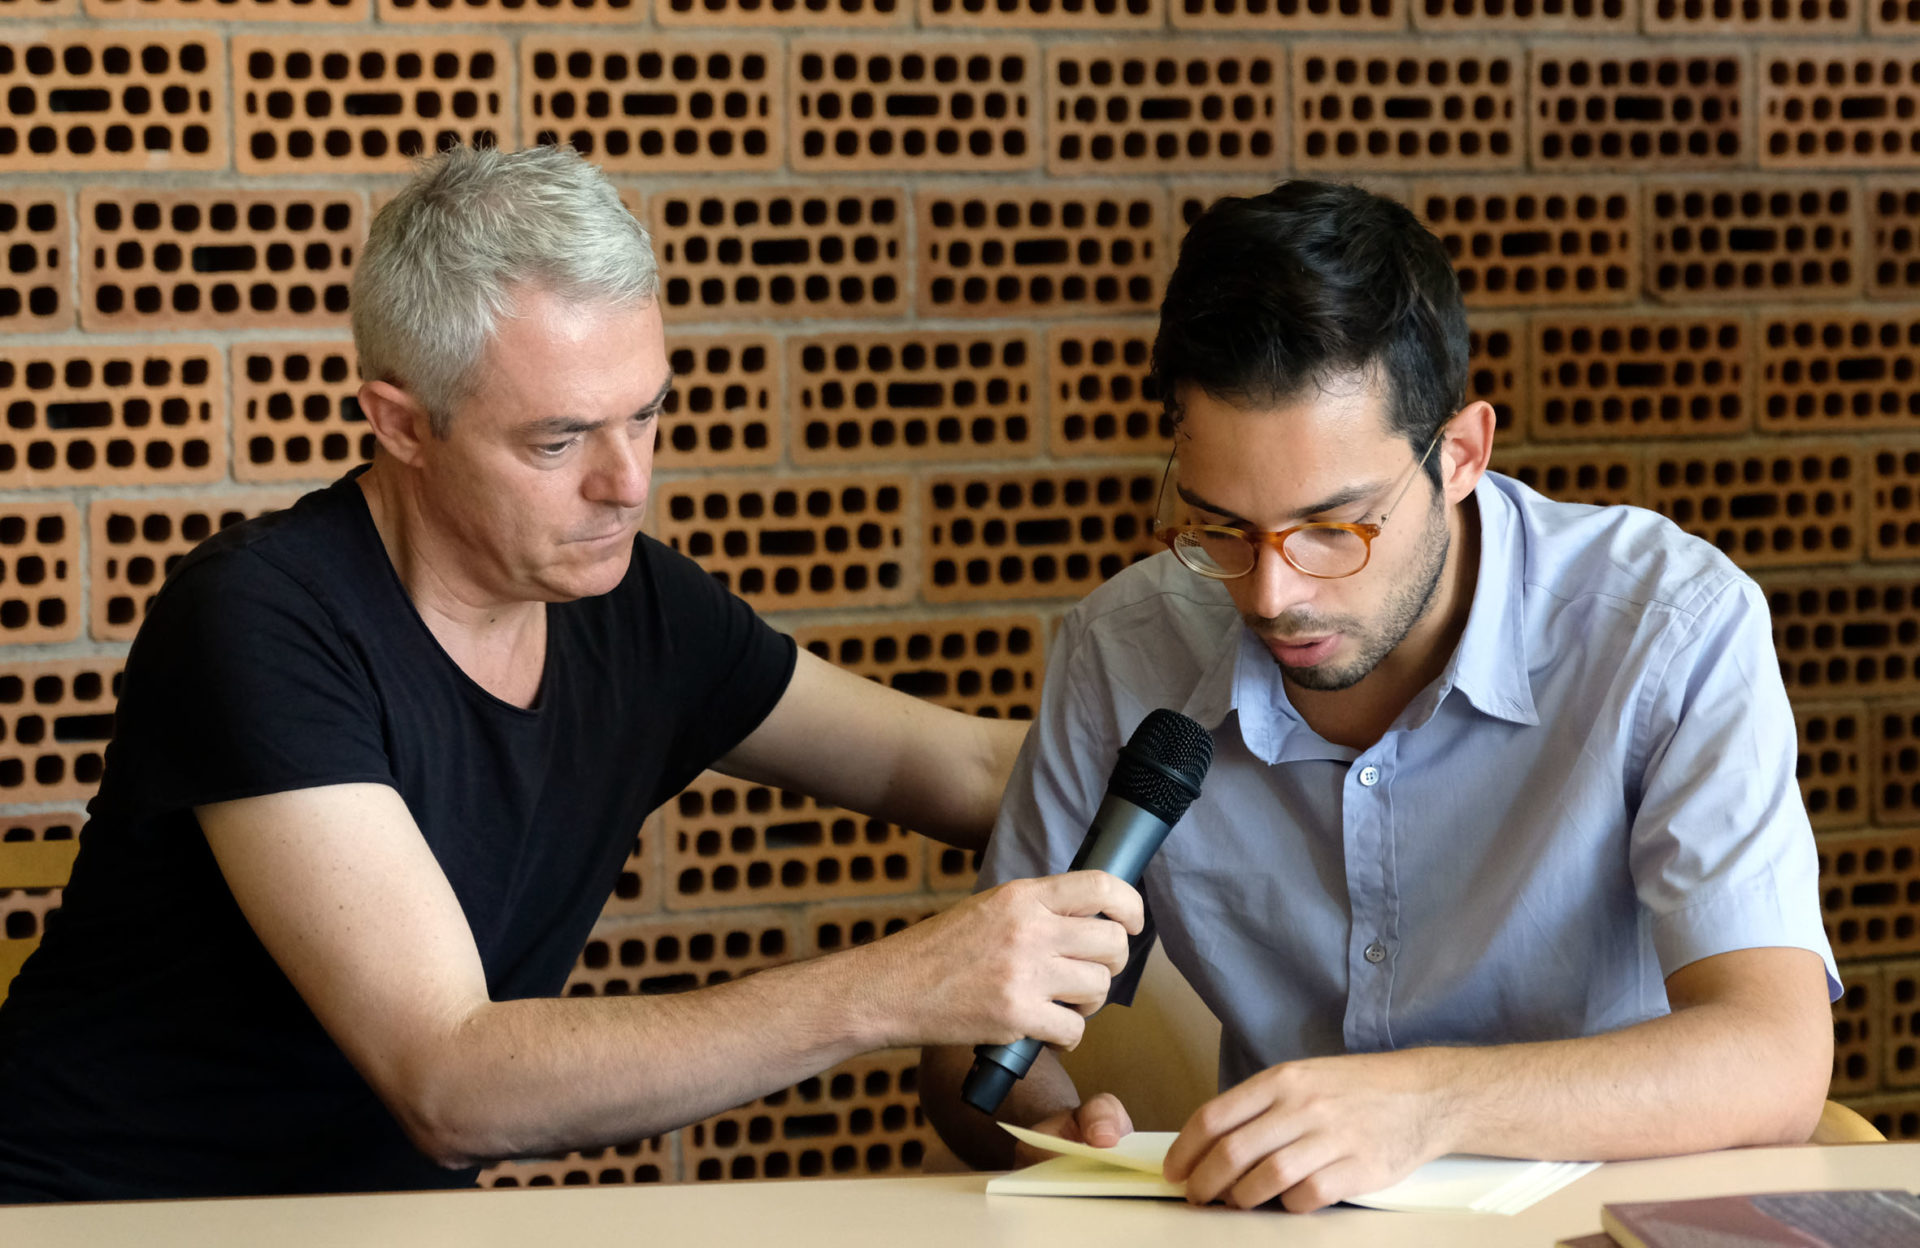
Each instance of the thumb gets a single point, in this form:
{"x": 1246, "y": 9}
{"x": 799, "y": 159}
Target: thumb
{"x": 1103, "y": 1120}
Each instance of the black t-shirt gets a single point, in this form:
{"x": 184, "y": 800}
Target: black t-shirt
{"x": 150, "y": 1046}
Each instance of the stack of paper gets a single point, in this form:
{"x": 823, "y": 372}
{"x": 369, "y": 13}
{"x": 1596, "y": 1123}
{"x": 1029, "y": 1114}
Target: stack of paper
{"x": 1132, "y": 1168}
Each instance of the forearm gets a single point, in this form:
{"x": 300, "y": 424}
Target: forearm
{"x": 1709, "y": 1077}
{"x": 548, "y": 1075}
{"x": 974, "y": 1137}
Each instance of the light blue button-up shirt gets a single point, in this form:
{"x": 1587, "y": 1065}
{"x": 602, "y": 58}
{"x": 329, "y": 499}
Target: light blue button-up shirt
{"x": 1598, "y": 790}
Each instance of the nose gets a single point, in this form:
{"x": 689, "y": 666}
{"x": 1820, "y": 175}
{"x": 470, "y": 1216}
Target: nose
{"x": 622, "y": 468}
{"x": 1277, "y": 587}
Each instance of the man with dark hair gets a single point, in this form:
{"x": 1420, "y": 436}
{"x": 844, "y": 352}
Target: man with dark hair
{"x": 1502, "y": 850}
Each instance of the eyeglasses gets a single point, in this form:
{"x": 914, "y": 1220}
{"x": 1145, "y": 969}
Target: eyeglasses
{"x": 1319, "y": 548}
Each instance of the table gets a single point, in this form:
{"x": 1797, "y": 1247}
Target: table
{"x": 929, "y": 1212}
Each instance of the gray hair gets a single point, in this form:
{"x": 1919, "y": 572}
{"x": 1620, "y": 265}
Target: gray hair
{"x": 444, "y": 257}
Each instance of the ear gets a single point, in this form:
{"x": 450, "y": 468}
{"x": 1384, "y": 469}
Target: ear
{"x": 397, "y": 420}
{"x": 1466, "y": 444}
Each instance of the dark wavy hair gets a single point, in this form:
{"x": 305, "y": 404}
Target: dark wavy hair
{"x": 1312, "y": 281}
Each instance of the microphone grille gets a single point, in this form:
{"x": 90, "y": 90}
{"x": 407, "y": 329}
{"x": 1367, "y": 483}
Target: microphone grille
{"x": 1164, "y": 761}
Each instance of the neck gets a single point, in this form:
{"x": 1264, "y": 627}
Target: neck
{"x": 1359, "y": 716}
{"x": 498, "y": 642}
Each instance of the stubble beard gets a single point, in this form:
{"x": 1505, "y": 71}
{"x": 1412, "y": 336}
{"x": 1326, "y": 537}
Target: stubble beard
{"x": 1405, "y": 607}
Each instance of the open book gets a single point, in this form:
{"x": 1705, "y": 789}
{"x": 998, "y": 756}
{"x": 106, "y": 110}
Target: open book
{"x": 1132, "y": 1168}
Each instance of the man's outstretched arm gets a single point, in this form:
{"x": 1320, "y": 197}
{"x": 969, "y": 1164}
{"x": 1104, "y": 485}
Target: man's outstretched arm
{"x": 1743, "y": 1059}
{"x": 347, "y": 897}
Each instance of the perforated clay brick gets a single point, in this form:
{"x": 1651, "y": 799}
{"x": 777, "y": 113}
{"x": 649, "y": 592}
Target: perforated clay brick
{"x": 1901, "y": 996}
{"x": 1078, "y": 16}
{"x": 1764, "y": 506}
{"x": 1641, "y": 376}
{"x": 730, "y": 842}
{"x": 636, "y": 890}
{"x": 846, "y": 925}
{"x": 1859, "y": 1027}
{"x": 990, "y": 666}
{"x": 1856, "y": 632}
{"x": 1471, "y": 17}
{"x": 33, "y": 9}
{"x": 1751, "y": 17}
{"x": 726, "y": 407}
{"x": 1895, "y": 1116}
{"x": 39, "y": 265}
{"x": 37, "y": 851}
{"x": 780, "y": 253}
{"x": 365, "y": 103}
{"x": 1542, "y": 242}
{"x": 1893, "y": 503}
{"x": 906, "y": 104}
{"x": 135, "y": 543}
{"x": 1065, "y": 251}
{"x": 1146, "y": 106}
{"x": 1599, "y": 477}
{"x": 1833, "y": 762}
{"x": 232, "y": 10}
{"x": 1406, "y": 106}
{"x": 83, "y": 100}
{"x": 1898, "y": 18}
{"x": 924, "y": 395}
{"x": 655, "y": 104}
{"x": 641, "y": 1161}
{"x": 258, "y": 259}
{"x": 1612, "y": 107}
{"x": 1893, "y": 243}
{"x": 1034, "y": 535}
{"x": 58, "y": 716}
{"x": 863, "y": 1117}
{"x": 791, "y": 14}
{"x": 24, "y": 912}
{"x": 296, "y": 414}
{"x": 1838, "y": 107}
{"x": 39, "y": 572}
{"x": 950, "y": 869}
{"x": 1102, "y": 400}
{"x": 1497, "y": 370}
{"x": 791, "y": 543}
{"x": 650, "y": 957}
{"x": 1285, "y": 16}
{"x": 1842, "y": 368}
{"x": 557, "y": 12}
{"x": 1870, "y": 893}
{"x": 1896, "y": 755}
{"x": 141, "y": 414}
{"x": 1741, "y": 239}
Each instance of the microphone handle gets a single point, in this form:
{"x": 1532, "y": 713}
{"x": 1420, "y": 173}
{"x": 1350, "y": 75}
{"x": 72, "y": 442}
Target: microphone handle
{"x": 1120, "y": 841}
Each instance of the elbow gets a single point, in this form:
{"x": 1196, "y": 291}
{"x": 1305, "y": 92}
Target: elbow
{"x": 431, "y": 1094}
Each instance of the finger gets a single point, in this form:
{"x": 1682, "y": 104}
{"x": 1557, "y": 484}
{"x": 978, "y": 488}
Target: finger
{"x": 1096, "y": 892}
{"x": 1092, "y": 940}
{"x": 1073, "y": 982}
{"x": 1057, "y": 1026}
{"x": 1103, "y": 1120}
{"x": 1293, "y": 1168}
{"x": 1226, "y": 1112}
{"x": 1238, "y": 1151}
{"x": 1329, "y": 1185}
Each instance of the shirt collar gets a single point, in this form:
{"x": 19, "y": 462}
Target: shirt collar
{"x": 1489, "y": 667}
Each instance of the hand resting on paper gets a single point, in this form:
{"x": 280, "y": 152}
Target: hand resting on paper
{"x": 1312, "y": 1132}
{"x": 1100, "y": 1121}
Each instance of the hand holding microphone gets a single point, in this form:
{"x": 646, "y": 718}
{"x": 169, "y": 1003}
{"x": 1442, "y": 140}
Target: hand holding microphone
{"x": 1156, "y": 778}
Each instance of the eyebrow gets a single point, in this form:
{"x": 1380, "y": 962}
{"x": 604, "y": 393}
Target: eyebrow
{"x": 553, "y": 426}
{"x": 1333, "y": 502}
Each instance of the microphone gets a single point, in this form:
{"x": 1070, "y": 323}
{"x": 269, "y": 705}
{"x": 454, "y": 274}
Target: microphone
{"x": 1156, "y": 778}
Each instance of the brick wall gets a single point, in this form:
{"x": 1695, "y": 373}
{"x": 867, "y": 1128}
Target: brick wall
{"x": 912, "y": 251}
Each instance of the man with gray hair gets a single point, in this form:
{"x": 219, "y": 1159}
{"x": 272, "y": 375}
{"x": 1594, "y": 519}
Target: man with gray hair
{"x": 380, "y": 757}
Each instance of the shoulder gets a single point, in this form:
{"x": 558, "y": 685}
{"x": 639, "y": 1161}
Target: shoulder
{"x": 1154, "y": 628}
{"x": 1626, "y": 557}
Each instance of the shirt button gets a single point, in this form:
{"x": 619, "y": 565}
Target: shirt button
{"x": 1376, "y": 953}
{"x": 1370, "y": 776}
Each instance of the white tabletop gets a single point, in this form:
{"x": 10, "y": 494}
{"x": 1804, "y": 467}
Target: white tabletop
{"x": 910, "y": 1213}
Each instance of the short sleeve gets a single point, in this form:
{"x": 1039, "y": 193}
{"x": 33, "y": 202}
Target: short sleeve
{"x": 239, "y": 685}
{"x": 730, "y": 667}
{"x": 1722, "y": 853}
{"x": 1057, "y": 785}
